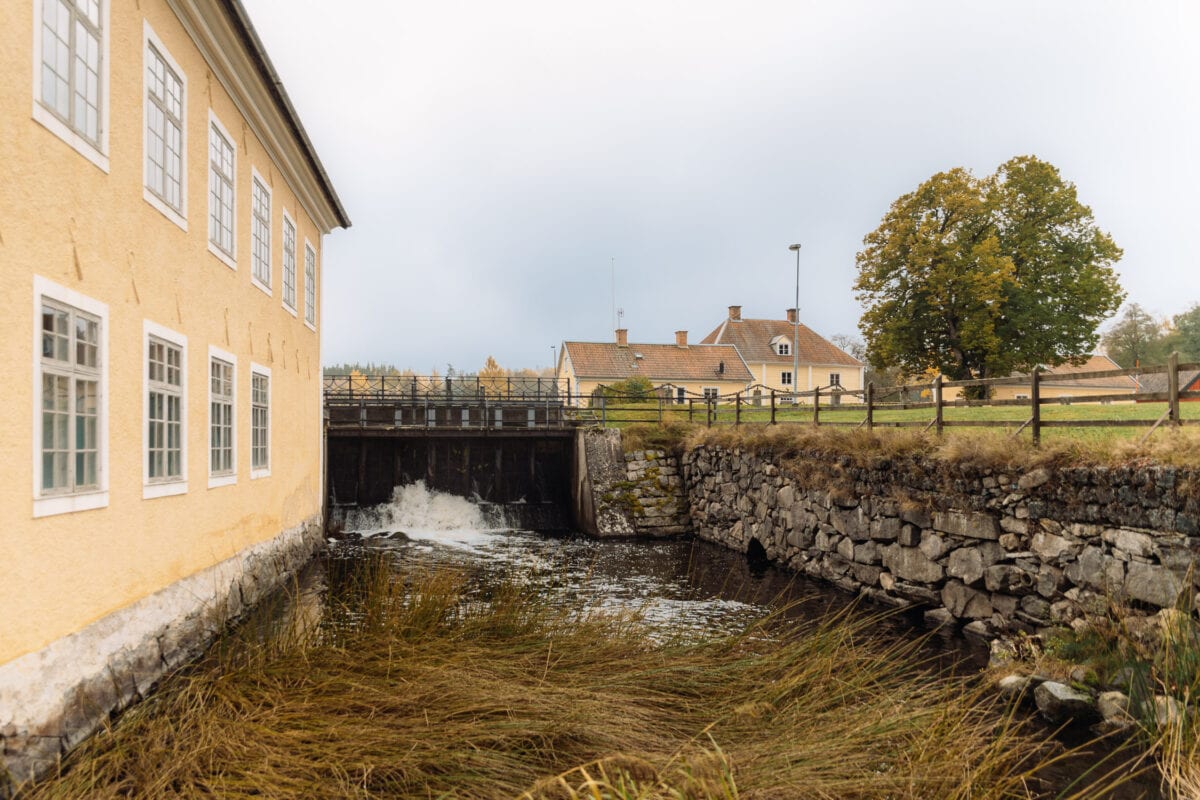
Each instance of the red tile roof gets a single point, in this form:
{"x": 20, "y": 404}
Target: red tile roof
{"x": 1095, "y": 363}
{"x": 661, "y": 363}
{"x": 752, "y": 337}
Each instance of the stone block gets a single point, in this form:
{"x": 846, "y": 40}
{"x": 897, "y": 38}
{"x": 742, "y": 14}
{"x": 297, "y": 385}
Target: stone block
{"x": 850, "y": 522}
{"x": 1135, "y": 543}
{"x": 1058, "y": 702}
{"x": 932, "y": 545}
{"x": 1033, "y": 479}
{"x": 1095, "y": 569}
{"x": 1013, "y": 525}
{"x": 845, "y": 549}
{"x": 918, "y": 516}
{"x": 885, "y": 529}
{"x": 1152, "y": 584}
{"x": 1051, "y": 547}
{"x": 866, "y": 553}
{"x": 964, "y": 602}
{"x": 866, "y": 574}
{"x": 910, "y": 564}
{"x": 966, "y": 564}
{"x": 910, "y": 535}
{"x": 970, "y": 524}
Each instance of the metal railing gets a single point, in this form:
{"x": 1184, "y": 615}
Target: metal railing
{"x": 415, "y": 387}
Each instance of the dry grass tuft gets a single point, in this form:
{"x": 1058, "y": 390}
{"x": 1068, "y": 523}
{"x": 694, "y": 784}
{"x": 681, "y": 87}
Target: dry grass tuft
{"x": 433, "y": 686}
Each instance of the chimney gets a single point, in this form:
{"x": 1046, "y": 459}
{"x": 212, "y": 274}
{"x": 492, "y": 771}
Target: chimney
{"x": 681, "y": 338}
{"x": 735, "y": 313}
{"x": 791, "y": 315}
{"x": 622, "y": 337}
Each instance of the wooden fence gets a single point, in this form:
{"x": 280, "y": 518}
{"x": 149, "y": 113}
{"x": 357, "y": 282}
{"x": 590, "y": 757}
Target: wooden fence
{"x": 764, "y": 405}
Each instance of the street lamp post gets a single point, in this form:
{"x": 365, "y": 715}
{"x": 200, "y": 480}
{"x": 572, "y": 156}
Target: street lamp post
{"x": 796, "y": 330}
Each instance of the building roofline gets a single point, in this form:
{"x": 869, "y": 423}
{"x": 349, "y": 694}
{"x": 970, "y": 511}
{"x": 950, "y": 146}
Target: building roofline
{"x": 254, "y": 45}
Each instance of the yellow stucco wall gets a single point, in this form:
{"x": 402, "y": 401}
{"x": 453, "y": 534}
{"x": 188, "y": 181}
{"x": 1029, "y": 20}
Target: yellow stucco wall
{"x": 771, "y": 376}
{"x": 67, "y": 221}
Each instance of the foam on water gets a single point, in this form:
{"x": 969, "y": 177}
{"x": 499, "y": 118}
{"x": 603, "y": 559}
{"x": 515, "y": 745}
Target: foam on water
{"x": 422, "y": 514}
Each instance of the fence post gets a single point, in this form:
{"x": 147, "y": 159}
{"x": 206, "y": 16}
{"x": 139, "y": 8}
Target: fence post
{"x": 708, "y": 411}
{"x": 660, "y": 408}
{"x": 1173, "y": 387}
{"x": 691, "y": 407}
{"x": 737, "y": 409}
{"x": 772, "y": 406}
{"x": 816, "y": 405}
{"x": 938, "y": 420}
{"x": 603, "y": 412}
{"x": 1035, "y": 400}
{"x": 870, "y": 405}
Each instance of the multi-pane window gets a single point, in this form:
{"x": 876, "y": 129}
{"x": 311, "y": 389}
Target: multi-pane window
{"x": 260, "y": 421}
{"x": 785, "y": 378}
{"x": 70, "y": 375}
{"x": 260, "y": 232}
{"x": 783, "y": 348}
{"x": 289, "y": 263}
{"x": 70, "y": 79}
{"x": 220, "y": 190}
{"x": 164, "y": 130}
{"x": 310, "y": 286}
{"x": 220, "y": 417}
{"x": 835, "y": 379}
{"x": 164, "y": 417}
{"x": 711, "y": 392}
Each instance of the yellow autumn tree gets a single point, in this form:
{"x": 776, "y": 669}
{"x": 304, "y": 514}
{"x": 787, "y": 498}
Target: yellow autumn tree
{"x": 492, "y": 378}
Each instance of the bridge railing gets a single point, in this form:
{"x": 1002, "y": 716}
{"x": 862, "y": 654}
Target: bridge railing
{"x": 455, "y": 387}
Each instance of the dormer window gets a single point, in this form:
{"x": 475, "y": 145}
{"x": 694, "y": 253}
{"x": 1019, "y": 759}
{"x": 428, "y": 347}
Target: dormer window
{"x": 783, "y": 348}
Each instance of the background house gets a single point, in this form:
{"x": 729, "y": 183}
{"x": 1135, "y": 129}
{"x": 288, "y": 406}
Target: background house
{"x": 1152, "y": 384}
{"x": 691, "y": 369}
{"x": 161, "y": 243}
{"x": 769, "y": 350}
{"x": 1062, "y": 386}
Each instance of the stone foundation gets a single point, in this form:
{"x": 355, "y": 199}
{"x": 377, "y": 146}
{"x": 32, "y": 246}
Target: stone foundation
{"x": 54, "y": 698}
{"x": 988, "y": 550}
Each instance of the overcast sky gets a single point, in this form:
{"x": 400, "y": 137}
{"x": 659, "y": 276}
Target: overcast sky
{"x": 497, "y": 158}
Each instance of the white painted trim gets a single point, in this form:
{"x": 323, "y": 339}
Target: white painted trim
{"x": 297, "y": 262}
{"x": 266, "y": 371}
{"x": 178, "y": 216}
{"x": 81, "y": 501}
{"x": 215, "y": 481}
{"x": 312, "y": 326}
{"x": 255, "y": 175}
{"x": 225, "y": 258}
{"x": 173, "y": 486}
{"x": 48, "y": 119}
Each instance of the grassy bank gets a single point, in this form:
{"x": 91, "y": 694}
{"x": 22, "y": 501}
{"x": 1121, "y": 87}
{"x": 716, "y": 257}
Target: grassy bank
{"x": 434, "y": 686}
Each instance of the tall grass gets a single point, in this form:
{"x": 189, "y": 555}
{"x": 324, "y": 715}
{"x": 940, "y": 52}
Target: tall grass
{"x": 436, "y": 686}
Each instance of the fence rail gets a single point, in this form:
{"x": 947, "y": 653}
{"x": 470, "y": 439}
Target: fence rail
{"x": 764, "y": 405}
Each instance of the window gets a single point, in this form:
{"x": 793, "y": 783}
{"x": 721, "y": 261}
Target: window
{"x": 70, "y": 431}
{"x": 221, "y": 418}
{"x": 164, "y": 132}
{"x": 711, "y": 393}
{"x": 260, "y": 233}
{"x": 221, "y": 170}
{"x": 165, "y": 413}
{"x": 260, "y": 421}
{"x": 289, "y": 263}
{"x": 680, "y": 395}
{"x": 310, "y": 286}
{"x": 783, "y": 348}
{"x": 835, "y": 379}
{"x": 70, "y": 84}
{"x": 785, "y": 378}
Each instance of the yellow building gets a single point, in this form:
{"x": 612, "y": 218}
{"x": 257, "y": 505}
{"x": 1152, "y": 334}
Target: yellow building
{"x": 1059, "y": 383}
{"x": 771, "y": 349}
{"x": 163, "y": 214}
{"x": 688, "y": 370}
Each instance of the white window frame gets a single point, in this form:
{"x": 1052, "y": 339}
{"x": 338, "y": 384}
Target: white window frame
{"x": 290, "y": 307}
{"x": 783, "y": 348}
{"x": 310, "y": 286}
{"x": 265, "y": 372}
{"x": 216, "y": 480}
{"x": 710, "y": 392}
{"x": 176, "y": 215}
{"x": 49, "y": 503}
{"x": 228, "y": 259}
{"x": 257, "y": 179}
{"x": 835, "y": 379}
{"x": 164, "y": 487}
{"x": 95, "y": 152}
{"x": 786, "y": 378}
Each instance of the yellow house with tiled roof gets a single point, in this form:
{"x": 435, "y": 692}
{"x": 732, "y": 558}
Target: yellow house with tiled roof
{"x": 691, "y": 370}
{"x": 770, "y": 348}
{"x": 161, "y": 243}
{"x": 1058, "y": 383}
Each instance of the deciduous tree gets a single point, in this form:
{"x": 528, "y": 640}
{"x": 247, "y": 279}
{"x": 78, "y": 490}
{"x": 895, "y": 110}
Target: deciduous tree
{"x": 981, "y": 277}
{"x": 1135, "y": 339}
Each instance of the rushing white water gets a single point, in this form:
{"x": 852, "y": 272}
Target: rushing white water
{"x": 421, "y": 514}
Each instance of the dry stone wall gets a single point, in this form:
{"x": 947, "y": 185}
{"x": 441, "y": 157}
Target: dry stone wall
{"x": 989, "y": 550}
{"x": 653, "y": 490}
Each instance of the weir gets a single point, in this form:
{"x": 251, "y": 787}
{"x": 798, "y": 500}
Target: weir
{"x": 507, "y": 441}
